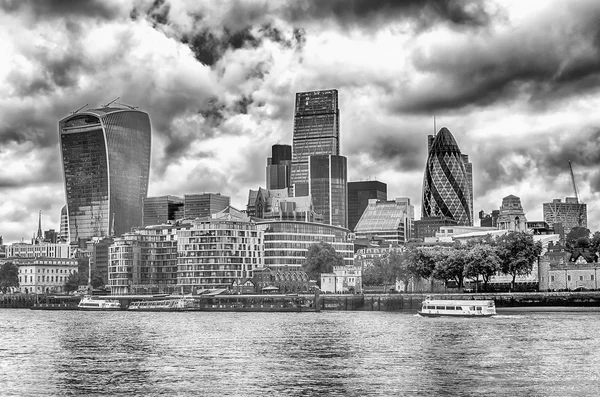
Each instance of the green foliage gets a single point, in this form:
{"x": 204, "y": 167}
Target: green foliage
{"x": 420, "y": 262}
{"x": 517, "y": 252}
{"x": 83, "y": 273}
{"x": 9, "y": 276}
{"x": 390, "y": 267}
{"x": 450, "y": 266}
{"x": 72, "y": 283}
{"x": 321, "y": 258}
{"x": 578, "y": 237}
{"x": 595, "y": 242}
{"x": 482, "y": 260}
{"x": 371, "y": 275}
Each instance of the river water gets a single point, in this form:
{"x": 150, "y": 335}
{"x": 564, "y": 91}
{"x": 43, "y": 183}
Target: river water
{"x": 71, "y": 353}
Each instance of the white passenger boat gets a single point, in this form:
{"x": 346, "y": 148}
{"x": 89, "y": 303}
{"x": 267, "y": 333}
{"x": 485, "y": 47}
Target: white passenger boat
{"x": 98, "y": 303}
{"x": 457, "y": 308}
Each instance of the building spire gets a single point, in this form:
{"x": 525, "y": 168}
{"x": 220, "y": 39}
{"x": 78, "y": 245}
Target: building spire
{"x": 434, "y": 126}
{"x": 39, "y": 232}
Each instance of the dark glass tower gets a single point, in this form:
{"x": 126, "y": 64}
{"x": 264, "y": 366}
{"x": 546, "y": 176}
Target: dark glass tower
{"x": 279, "y": 166}
{"x": 359, "y": 194}
{"x": 106, "y": 165}
{"x": 446, "y": 184}
{"x": 328, "y": 184}
{"x": 316, "y": 132}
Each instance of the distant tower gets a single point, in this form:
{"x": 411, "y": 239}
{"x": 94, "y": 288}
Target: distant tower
{"x": 512, "y": 216}
{"x": 279, "y": 167}
{"x": 446, "y": 185}
{"x": 106, "y": 165}
{"x": 316, "y": 132}
{"x": 328, "y": 187}
{"x": 40, "y": 235}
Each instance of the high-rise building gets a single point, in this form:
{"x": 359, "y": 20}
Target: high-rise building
{"x": 328, "y": 187}
{"x": 359, "y": 194}
{"x": 279, "y": 167}
{"x": 106, "y": 164}
{"x": 162, "y": 209}
{"x": 446, "y": 184}
{"x": 64, "y": 225}
{"x": 203, "y": 205}
{"x": 489, "y": 220}
{"x": 571, "y": 213}
{"x": 316, "y": 132}
{"x": 390, "y": 221}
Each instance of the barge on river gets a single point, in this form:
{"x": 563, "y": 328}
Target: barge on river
{"x": 226, "y": 303}
{"x": 457, "y": 308}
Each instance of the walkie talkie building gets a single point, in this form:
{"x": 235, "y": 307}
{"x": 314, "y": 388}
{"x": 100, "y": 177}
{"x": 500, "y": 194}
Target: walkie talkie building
{"x": 106, "y": 164}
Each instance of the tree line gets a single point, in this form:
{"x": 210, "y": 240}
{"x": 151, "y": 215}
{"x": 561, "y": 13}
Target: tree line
{"x": 512, "y": 254}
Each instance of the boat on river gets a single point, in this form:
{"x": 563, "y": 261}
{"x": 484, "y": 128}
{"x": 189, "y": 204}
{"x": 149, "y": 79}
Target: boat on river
{"x": 226, "y": 303}
{"x": 457, "y": 308}
{"x": 98, "y": 303}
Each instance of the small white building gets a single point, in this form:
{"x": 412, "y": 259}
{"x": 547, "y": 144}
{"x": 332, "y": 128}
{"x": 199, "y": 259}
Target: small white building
{"x": 344, "y": 279}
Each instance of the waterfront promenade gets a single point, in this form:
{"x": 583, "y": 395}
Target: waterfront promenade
{"x": 384, "y": 302}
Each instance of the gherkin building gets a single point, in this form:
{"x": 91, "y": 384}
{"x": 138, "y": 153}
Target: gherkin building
{"x": 447, "y": 184}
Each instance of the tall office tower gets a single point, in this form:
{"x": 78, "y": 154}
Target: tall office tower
{"x": 571, "y": 213}
{"x": 106, "y": 164}
{"x": 316, "y": 132}
{"x": 64, "y": 225}
{"x": 446, "y": 190}
{"x": 279, "y": 167}
{"x": 203, "y": 205}
{"x": 359, "y": 194}
{"x": 328, "y": 187}
{"x": 161, "y": 209}
{"x": 469, "y": 173}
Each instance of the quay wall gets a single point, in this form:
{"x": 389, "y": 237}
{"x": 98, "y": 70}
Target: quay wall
{"x": 398, "y": 302}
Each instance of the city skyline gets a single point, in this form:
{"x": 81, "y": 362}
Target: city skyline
{"x": 516, "y": 84}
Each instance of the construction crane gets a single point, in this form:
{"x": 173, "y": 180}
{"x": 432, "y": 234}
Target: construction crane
{"x": 579, "y": 205}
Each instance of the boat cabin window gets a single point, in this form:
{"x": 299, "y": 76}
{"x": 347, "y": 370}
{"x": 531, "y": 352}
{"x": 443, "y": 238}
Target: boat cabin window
{"x": 478, "y": 308}
{"x": 471, "y": 307}
{"x": 440, "y": 307}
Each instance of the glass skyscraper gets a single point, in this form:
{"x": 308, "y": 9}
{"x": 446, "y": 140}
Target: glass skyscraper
{"x": 328, "y": 187}
{"x": 106, "y": 164}
{"x": 316, "y": 132}
{"x": 447, "y": 190}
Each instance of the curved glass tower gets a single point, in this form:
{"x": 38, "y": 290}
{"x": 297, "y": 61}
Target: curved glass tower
{"x": 446, "y": 184}
{"x": 106, "y": 164}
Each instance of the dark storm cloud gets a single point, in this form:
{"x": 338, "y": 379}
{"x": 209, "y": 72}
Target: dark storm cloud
{"x": 503, "y": 163}
{"x": 63, "y": 8}
{"x": 550, "y": 60}
{"x": 371, "y": 12}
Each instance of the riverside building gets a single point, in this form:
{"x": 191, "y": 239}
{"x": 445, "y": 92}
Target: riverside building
{"x": 286, "y": 243}
{"x": 218, "y": 250}
{"x": 391, "y": 221}
{"x": 44, "y": 275}
{"x": 106, "y": 162}
{"x": 46, "y": 250}
{"x": 145, "y": 261}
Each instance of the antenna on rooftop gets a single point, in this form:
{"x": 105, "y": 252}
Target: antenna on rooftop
{"x": 128, "y": 106}
{"x": 111, "y": 102}
{"x": 434, "y": 127}
{"x": 80, "y": 109}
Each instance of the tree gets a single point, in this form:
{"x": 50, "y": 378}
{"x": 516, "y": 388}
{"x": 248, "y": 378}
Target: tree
{"x": 9, "y": 276}
{"x": 371, "y": 275}
{"x": 72, "y": 283}
{"x": 83, "y": 274}
{"x": 390, "y": 267}
{"x": 321, "y": 258}
{"x": 595, "y": 242}
{"x": 450, "y": 266}
{"x": 420, "y": 262}
{"x": 482, "y": 260}
{"x": 517, "y": 252}
{"x": 578, "y": 237}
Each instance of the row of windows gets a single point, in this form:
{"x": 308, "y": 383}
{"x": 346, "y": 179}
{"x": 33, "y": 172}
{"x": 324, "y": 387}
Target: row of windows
{"x": 581, "y": 278}
{"x": 50, "y": 279}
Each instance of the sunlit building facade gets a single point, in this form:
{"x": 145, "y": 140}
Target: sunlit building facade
{"x": 390, "y": 221}
{"x": 571, "y": 213}
{"x": 446, "y": 185}
{"x": 217, "y": 251}
{"x": 316, "y": 131}
{"x": 106, "y": 164}
{"x": 286, "y": 243}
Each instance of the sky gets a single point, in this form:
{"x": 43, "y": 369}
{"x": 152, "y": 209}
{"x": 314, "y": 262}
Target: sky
{"x": 517, "y": 83}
